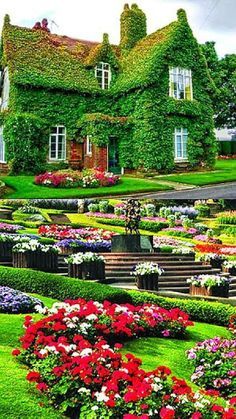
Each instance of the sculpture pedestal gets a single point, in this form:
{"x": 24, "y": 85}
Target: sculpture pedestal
{"x": 131, "y": 243}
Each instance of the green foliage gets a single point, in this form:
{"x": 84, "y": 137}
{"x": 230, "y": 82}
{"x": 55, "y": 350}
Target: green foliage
{"x": 133, "y": 27}
{"x": 204, "y": 311}
{"x": 26, "y": 136}
{"x": 226, "y": 148}
{"x": 144, "y": 225}
{"x": 203, "y": 210}
{"x": 59, "y": 287}
{"x": 227, "y": 217}
{"x": 102, "y": 53}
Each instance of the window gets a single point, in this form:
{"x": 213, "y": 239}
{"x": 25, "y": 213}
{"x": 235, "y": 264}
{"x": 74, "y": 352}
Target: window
{"x": 181, "y": 139}
{"x": 103, "y": 75}
{"x": 57, "y": 143}
{"x": 5, "y": 90}
{"x": 2, "y": 147}
{"x": 181, "y": 83}
{"x": 89, "y": 145}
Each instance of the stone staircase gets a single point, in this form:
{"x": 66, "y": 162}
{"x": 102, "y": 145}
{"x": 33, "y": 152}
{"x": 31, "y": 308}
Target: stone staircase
{"x": 177, "y": 270}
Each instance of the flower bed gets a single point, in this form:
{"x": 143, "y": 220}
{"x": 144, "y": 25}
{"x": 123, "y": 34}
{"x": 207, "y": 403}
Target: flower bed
{"x": 227, "y": 217}
{"x": 180, "y": 231}
{"x": 15, "y": 302}
{"x": 216, "y": 248}
{"x": 10, "y": 228}
{"x": 82, "y": 374}
{"x": 60, "y": 232}
{"x": 215, "y": 365}
{"x": 169, "y": 241}
{"x": 74, "y": 246}
{"x": 92, "y": 178}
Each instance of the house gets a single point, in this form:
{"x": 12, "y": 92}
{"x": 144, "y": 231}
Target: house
{"x": 143, "y": 104}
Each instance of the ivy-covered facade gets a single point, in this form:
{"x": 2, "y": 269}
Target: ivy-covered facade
{"x": 141, "y": 105}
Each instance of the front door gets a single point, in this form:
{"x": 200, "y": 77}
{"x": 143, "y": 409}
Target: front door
{"x": 2, "y": 147}
{"x": 113, "y": 155}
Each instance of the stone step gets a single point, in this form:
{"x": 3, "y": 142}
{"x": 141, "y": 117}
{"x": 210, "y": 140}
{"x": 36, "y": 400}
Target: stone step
{"x": 174, "y": 268}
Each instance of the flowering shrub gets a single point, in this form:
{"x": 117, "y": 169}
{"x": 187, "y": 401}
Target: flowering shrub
{"x": 78, "y": 258}
{"x": 216, "y": 248}
{"x": 182, "y": 250}
{"x": 10, "y": 228}
{"x": 84, "y": 376}
{"x": 146, "y": 268}
{"x": 15, "y": 302}
{"x": 190, "y": 212}
{"x": 215, "y": 365}
{"x": 91, "y": 178}
{"x": 208, "y": 281}
{"x": 232, "y": 324}
{"x": 34, "y": 246}
{"x": 85, "y": 246}
{"x": 207, "y": 257}
{"x": 60, "y": 232}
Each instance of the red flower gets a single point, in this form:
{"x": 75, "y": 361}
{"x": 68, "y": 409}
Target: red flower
{"x": 229, "y": 414}
{"x": 42, "y": 386}
{"x": 33, "y": 376}
{"x": 217, "y": 408}
{"x": 16, "y": 352}
{"x": 233, "y": 400}
{"x": 167, "y": 413}
{"x": 196, "y": 415}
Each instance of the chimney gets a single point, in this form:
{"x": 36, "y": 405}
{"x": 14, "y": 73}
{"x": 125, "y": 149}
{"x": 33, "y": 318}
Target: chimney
{"x": 133, "y": 27}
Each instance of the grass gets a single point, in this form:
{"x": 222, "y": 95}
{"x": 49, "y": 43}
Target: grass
{"x": 22, "y": 187}
{"x": 225, "y": 171}
{"x": 171, "y": 352}
{"x": 19, "y": 399}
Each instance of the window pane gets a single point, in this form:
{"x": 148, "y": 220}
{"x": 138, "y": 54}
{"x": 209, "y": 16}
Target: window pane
{"x": 61, "y": 130}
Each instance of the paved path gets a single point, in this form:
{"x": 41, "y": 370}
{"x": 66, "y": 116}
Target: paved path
{"x": 223, "y": 190}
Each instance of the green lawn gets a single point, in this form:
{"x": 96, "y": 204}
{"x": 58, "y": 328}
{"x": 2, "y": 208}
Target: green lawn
{"x": 171, "y": 352}
{"x": 22, "y": 187}
{"x": 225, "y": 171}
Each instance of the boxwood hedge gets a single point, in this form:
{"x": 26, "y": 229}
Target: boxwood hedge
{"x": 59, "y": 287}
{"x": 144, "y": 225}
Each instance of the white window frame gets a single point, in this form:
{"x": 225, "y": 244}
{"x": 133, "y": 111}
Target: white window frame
{"x": 89, "y": 146}
{"x": 100, "y": 67}
{"x": 183, "y": 132}
{"x": 57, "y": 139}
{"x": 2, "y": 147}
{"x": 5, "y": 90}
{"x": 186, "y": 74}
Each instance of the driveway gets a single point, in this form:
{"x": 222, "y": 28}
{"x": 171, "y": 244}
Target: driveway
{"x": 223, "y": 190}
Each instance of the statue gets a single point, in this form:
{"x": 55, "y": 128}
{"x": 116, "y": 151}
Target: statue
{"x": 43, "y": 25}
{"x": 132, "y": 216}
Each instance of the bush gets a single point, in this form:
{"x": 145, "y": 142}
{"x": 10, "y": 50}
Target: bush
{"x": 58, "y": 204}
{"x": 59, "y": 287}
{"x": 203, "y": 210}
{"x": 103, "y": 206}
{"x": 225, "y": 148}
{"x": 203, "y": 311}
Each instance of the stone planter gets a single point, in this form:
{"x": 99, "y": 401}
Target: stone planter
{"x": 87, "y": 270}
{"x": 42, "y": 261}
{"x": 148, "y": 282}
{"x": 217, "y": 291}
{"x": 131, "y": 243}
{"x": 6, "y": 251}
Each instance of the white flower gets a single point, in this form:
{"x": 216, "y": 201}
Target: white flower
{"x": 101, "y": 397}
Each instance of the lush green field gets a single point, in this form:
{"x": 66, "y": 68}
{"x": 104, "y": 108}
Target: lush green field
{"x": 20, "y": 400}
{"x": 225, "y": 171}
{"x": 23, "y": 187}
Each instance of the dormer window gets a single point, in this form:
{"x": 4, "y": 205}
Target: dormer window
{"x": 181, "y": 83}
{"x": 103, "y": 75}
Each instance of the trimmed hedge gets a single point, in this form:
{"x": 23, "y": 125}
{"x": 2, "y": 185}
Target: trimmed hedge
{"x": 198, "y": 310}
{"x": 59, "y": 287}
{"x": 144, "y": 225}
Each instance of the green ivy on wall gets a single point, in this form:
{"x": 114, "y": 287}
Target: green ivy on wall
{"x": 137, "y": 109}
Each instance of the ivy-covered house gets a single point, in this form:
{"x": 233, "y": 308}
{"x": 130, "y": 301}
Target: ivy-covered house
{"x": 142, "y": 104}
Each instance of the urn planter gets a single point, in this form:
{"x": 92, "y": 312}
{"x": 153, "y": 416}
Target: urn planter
{"x": 87, "y": 270}
{"x": 216, "y": 291}
{"x": 43, "y": 261}
{"x": 6, "y": 251}
{"x": 148, "y": 282}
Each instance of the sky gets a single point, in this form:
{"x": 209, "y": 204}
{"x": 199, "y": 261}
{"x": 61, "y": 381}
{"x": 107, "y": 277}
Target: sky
{"x": 211, "y": 20}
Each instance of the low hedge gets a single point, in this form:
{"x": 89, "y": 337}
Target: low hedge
{"x": 154, "y": 226}
{"x": 59, "y": 287}
{"x": 198, "y": 310}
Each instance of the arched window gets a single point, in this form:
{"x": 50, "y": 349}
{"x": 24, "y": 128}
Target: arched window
{"x": 57, "y": 143}
{"x": 103, "y": 75}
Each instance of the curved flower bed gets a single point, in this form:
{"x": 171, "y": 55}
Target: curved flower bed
{"x": 83, "y": 375}
{"x": 216, "y": 248}
{"x": 215, "y": 365}
{"x": 75, "y": 245}
{"x": 60, "y": 232}
{"x": 10, "y": 228}
{"x": 15, "y": 302}
{"x": 92, "y": 178}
